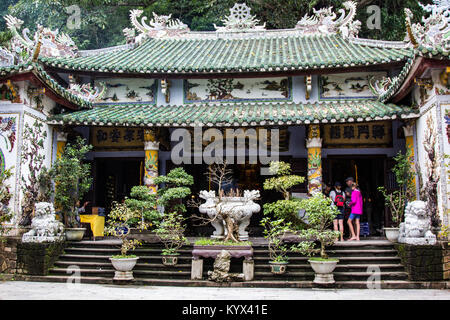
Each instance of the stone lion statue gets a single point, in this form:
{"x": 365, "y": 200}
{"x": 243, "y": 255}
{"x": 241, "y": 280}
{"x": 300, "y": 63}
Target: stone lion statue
{"x": 417, "y": 226}
{"x": 45, "y": 227}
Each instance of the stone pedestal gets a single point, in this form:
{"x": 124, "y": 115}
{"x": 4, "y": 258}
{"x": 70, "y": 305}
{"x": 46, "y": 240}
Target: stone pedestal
{"x": 197, "y": 269}
{"x": 123, "y": 276}
{"x": 248, "y": 267}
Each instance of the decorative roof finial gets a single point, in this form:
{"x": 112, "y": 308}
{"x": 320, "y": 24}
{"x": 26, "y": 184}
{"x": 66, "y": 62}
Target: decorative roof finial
{"x": 240, "y": 20}
{"x": 434, "y": 32}
{"x": 45, "y": 42}
{"x": 325, "y": 21}
{"x": 158, "y": 27}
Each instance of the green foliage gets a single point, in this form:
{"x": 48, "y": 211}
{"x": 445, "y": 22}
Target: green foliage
{"x": 143, "y": 201}
{"x": 273, "y": 232}
{"x": 320, "y": 214}
{"x": 214, "y": 242}
{"x": 283, "y": 181}
{"x": 175, "y": 188}
{"x": 171, "y": 232}
{"x": 72, "y": 179}
{"x": 404, "y": 176}
{"x": 118, "y": 219}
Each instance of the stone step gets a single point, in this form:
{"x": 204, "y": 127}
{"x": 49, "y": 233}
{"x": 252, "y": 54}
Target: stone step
{"x": 109, "y": 273}
{"x": 108, "y": 265}
{"x": 368, "y": 260}
{"x": 110, "y": 251}
{"x": 386, "y": 284}
{"x": 105, "y": 258}
{"x": 338, "y": 276}
{"x": 339, "y": 267}
{"x": 366, "y": 252}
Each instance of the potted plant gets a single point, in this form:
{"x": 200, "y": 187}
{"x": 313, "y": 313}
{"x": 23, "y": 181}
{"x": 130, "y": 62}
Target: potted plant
{"x": 72, "y": 180}
{"x": 174, "y": 187}
{"x": 397, "y": 200}
{"x": 283, "y": 181}
{"x": 273, "y": 232}
{"x": 118, "y": 225}
{"x": 171, "y": 232}
{"x": 145, "y": 202}
{"x": 320, "y": 215}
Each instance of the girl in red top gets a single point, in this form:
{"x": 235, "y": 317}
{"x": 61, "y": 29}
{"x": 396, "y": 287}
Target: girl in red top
{"x": 356, "y": 205}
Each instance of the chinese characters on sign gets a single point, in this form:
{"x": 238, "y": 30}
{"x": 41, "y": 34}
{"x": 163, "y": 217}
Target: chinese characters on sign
{"x": 371, "y": 134}
{"x": 122, "y": 138}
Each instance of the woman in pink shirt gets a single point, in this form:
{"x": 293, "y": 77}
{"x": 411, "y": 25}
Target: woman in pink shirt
{"x": 356, "y": 205}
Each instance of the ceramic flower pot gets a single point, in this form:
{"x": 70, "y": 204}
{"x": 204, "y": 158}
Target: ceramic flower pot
{"x": 170, "y": 260}
{"x": 74, "y": 234}
{"x": 278, "y": 267}
{"x": 392, "y": 234}
{"x": 323, "y": 270}
{"x": 124, "y": 267}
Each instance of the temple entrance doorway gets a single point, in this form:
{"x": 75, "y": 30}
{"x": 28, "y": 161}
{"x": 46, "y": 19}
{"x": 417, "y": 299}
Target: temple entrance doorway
{"x": 369, "y": 172}
{"x": 114, "y": 178}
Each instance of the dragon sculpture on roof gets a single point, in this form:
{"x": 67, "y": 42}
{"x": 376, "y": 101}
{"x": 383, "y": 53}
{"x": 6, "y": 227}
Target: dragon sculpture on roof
{"x": 45, "y": 42}
{"x": 160, "y": 26}
{"x": 325, "y": 21}
{"x": 434, "y": 31}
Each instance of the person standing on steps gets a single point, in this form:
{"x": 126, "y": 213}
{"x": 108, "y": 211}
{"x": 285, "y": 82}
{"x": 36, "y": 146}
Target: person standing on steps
{"x": 338, "y": 198}
{"x": 356, "y": 205}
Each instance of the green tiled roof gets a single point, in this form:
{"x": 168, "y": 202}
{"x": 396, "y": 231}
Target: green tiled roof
{"x": 221, "y": 55}
{"x": 39, "y": 72}
{"x": 235, "y": 114}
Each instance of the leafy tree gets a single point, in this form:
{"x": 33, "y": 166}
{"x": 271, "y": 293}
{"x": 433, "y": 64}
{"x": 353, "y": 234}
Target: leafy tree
{"x": 399, "y": 198}
{"x": 143, "y": 201}
{"x": 72, "y": 179}
{"x": 286, "y": 209}
{"x": 320, "y": 214}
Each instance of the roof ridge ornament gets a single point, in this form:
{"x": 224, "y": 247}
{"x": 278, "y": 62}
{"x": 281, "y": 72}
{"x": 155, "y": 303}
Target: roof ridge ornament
{"x": 86, "y": 91}
{"x": 240, "y": 20}
{"x": 160, "y": 26}
{"x": 434, "y": 32}
{"x": 47, "y": 42}
{"x": 325, "y": 21}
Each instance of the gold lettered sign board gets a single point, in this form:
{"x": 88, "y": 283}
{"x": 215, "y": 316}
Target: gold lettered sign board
{"x": 361, "y": 135}
{"x": 117, "y": 138}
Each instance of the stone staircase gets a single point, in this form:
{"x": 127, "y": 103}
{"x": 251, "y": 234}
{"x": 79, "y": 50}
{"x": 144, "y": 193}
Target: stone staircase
{"x": 357, "y": 262}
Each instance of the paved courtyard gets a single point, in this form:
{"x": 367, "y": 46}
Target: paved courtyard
{"x": 13, "y": 290}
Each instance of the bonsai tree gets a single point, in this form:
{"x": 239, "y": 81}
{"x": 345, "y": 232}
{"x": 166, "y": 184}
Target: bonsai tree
{"x": 399, "y": 198}
{"x": 288, "y": 208}
{"x": 117, "y": 225}
{"x": 273, "y": 232}
{"x": 72, "y": 179}
{"x": 174, "y": 188}
{"x": 33, "y": 143}
{"x": 5, "y": 197}
{"x": 320, "y": 214}
{"x": 143, "y": 201}
{"x": 171, "y": 232}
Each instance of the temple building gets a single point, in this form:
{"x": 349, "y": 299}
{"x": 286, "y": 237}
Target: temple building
{"x": 338, "y": 104}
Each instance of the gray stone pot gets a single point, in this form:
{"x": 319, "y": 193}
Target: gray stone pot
{"x": 124, "y": 267}
{"x": 323, "y": 270}
{"x": 74, "y": 234}
{"x": 392, "y": 234}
